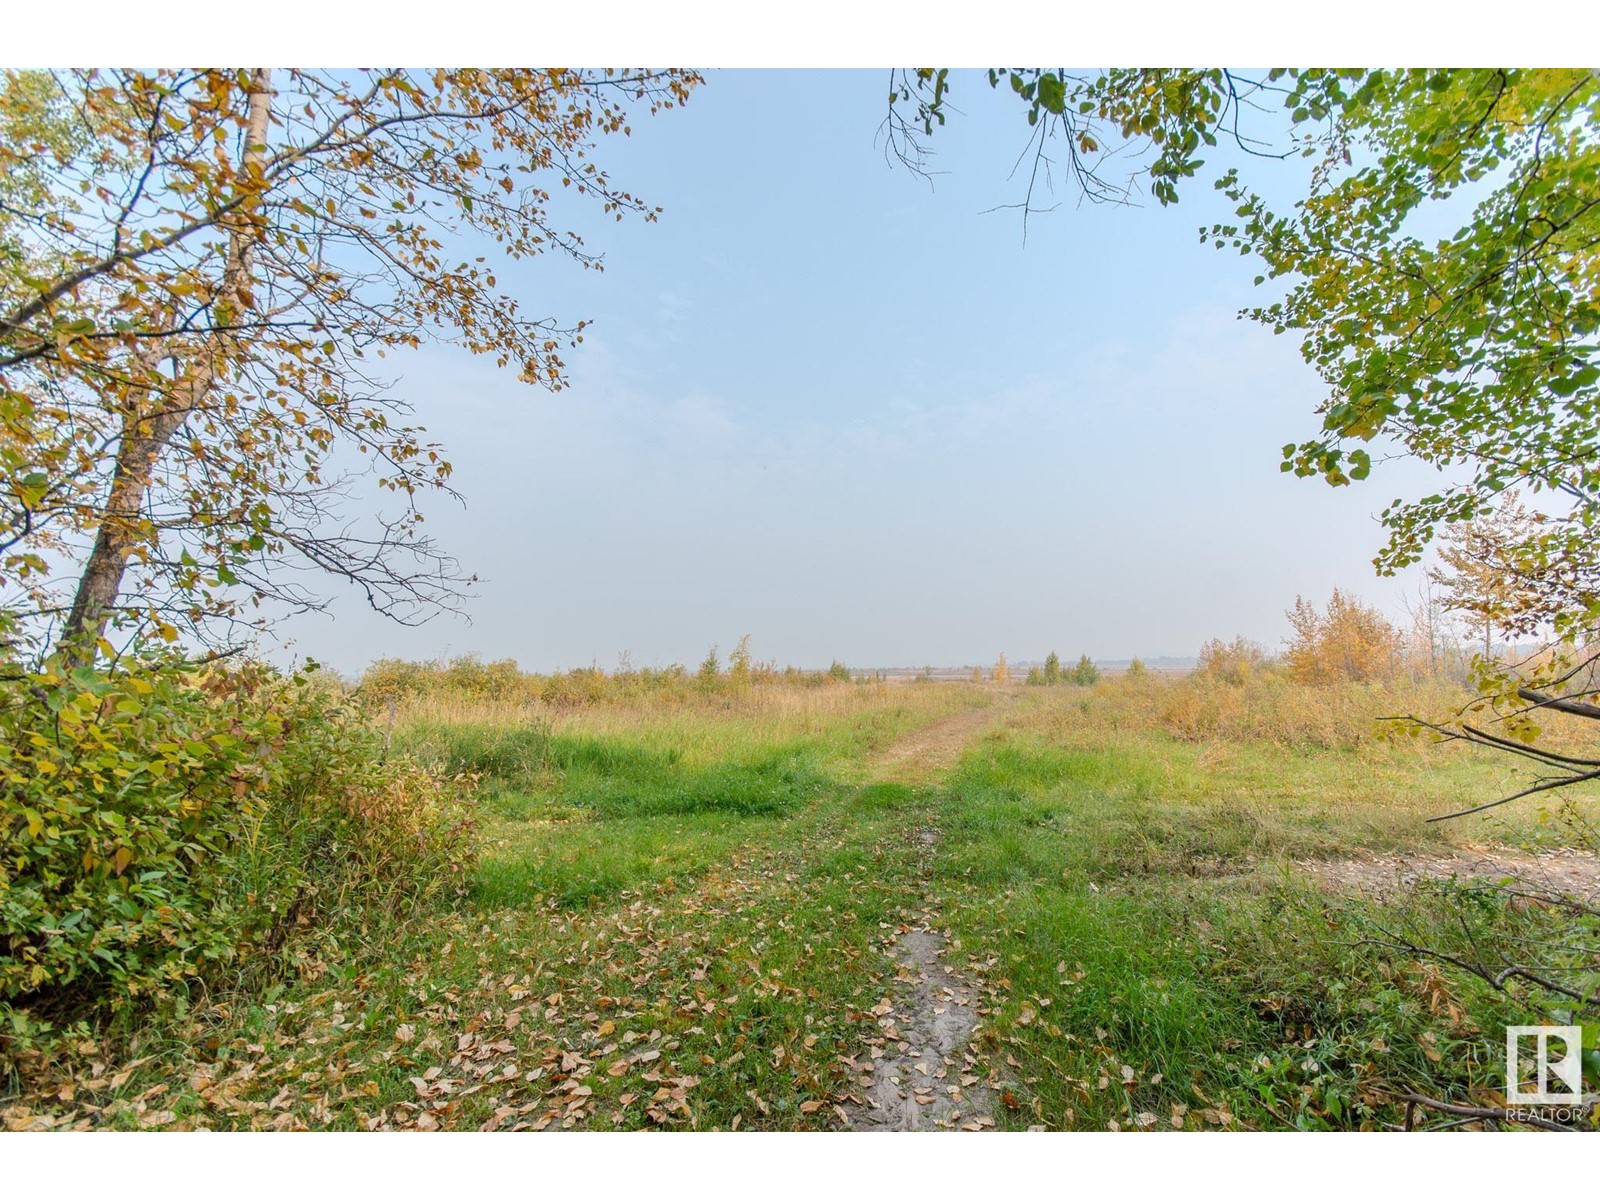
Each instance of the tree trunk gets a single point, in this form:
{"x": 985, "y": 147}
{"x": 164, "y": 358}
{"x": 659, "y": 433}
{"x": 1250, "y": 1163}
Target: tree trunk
{"x": 145, "y": 434}
{"x": 121, "y": 532}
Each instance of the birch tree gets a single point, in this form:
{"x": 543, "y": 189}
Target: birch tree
{"x": 1481, "y": 570}
{"x": 201, "y": 273}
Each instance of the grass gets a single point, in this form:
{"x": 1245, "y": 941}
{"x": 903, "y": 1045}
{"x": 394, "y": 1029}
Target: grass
{"x": 1155, "y": 956}
{"x": 683, "y": 913}
{"x": 618, "y": 800}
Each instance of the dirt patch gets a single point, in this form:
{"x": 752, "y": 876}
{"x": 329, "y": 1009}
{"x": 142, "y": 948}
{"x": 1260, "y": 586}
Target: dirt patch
{"x": 925, "y": 752}
{"x": 1557, "y": 872}
{"x": 926, "y": 1078}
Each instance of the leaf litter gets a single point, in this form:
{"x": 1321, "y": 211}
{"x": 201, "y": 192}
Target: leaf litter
{"x": 609, "y": 1017}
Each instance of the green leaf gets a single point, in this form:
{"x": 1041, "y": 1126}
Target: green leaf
{"x": 1053, "y": 93}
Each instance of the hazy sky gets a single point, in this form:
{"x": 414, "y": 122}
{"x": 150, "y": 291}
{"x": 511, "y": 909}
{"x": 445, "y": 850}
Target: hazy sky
{"x": 857, "y": 418}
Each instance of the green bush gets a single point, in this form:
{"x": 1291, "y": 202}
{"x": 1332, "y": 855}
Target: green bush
{"x": 158, "y": 820}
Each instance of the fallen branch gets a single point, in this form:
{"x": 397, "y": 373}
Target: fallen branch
{"x": 1504, "y": 1116}
{"x": 1495, "y": 979}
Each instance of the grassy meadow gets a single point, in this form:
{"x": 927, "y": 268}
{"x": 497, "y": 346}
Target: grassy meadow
{"x": 686, "y": 904}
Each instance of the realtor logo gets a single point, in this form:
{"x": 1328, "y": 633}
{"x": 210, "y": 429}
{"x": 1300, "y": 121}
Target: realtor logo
{"x": 1556, "y": 1052}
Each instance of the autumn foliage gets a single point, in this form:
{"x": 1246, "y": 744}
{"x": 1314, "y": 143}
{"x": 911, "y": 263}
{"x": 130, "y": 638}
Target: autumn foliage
{"x": 200, "y": 273}
{"x": 162, "y": 823}
{"x": 1348, "y": 640}
{"x": 1235, "y": 662}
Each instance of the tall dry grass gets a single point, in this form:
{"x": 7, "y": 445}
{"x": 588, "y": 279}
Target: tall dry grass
{"x": 470, "y": 679}
{"x": 1266, "y": 707}
{"x": 698, "y": 726}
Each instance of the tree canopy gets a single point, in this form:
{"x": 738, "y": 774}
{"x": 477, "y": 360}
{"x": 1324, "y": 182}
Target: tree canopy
{"x": 1440, "y": 271}
{"x": 200, "y": 273}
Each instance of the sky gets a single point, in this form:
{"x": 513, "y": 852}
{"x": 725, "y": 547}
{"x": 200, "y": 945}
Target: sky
{"x": 859, "y": 417}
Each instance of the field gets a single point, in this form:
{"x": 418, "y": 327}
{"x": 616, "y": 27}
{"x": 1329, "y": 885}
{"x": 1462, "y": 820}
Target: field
{"x": 883, "y": 905}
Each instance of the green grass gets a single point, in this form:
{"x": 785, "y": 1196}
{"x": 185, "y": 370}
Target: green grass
{"x": 678, "y": 919}
{"x": 576, "y": 863}
{"x": 1158, "y": 960}
{"x": 681, "y": 918}
{"x": 574, "y": 817}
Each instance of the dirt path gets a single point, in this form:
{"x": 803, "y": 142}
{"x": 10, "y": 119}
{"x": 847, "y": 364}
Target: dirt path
{"x": 933, "y": 749}
{"x": 923, "y": 1076}
{"x": 927, "y": 1078}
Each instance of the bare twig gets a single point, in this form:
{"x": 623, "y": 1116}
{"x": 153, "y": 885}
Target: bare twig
{"x": 1472, "y": 1112}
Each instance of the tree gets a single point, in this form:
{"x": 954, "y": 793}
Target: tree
{"x": 741, "y": 664}
{"x": 1431, "y": 649}
{"x": 1485, "y": 561}
{"x": 1002, "y": 673}
{"x": 1052, "y": 668}
{"x": 200, "y": 272}
{"x": 1085, "y": 674}
{"x": 1349, "y": 641}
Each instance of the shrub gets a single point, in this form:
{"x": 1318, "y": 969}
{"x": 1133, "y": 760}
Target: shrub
{"x": 575, "y": 688}
{"x": 467, "y": 677}
{"x": 1234, "y": 663}
{"x": 1085, "y": 674}
{"x": 466, "y": 682}
{"x": 158, "y": 820}
{"x": 1269, "y": 708}
{"x": 1052, "y": 668}
{"x": 116, "y": 789}
{"x": 1137, "y": 669}
{"x": 389, "y": 679}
